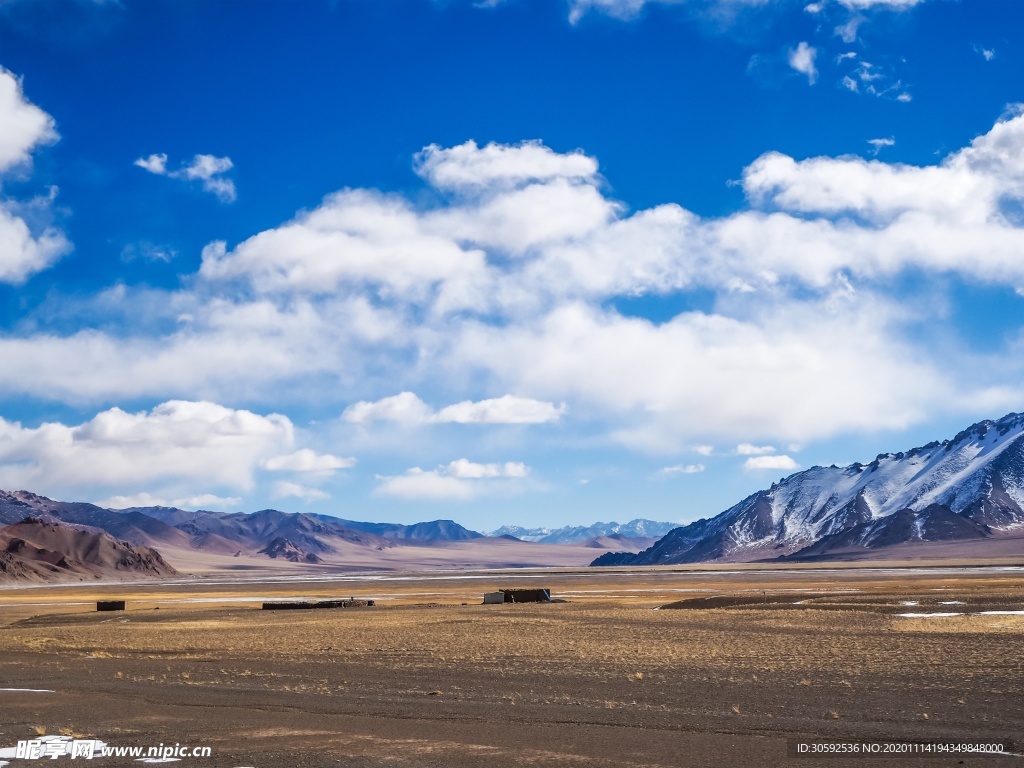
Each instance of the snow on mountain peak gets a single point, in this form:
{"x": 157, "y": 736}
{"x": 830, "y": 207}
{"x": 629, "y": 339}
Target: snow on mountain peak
{"x": 968, "y": 486}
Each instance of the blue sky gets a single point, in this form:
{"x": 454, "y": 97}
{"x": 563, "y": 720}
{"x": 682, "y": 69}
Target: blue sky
{"x": 533, "y": 261}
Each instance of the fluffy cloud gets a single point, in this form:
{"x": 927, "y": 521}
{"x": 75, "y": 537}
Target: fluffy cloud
{"x": 507, "y": 409}
{"x": 22, "y": 254}
{"x": 156, "y": 163}
{"x": 217, "y": 348}
{"x": 683, "y": 469}
{"x": 799, "y": 228}
{"x": 407, "y": 408}
{"x": 459, "y": 480}
{"x": 207, "y": 169}
{"x": 176, "y": 442}
{"x": 957, "y": 216}
{"x": 880, "y": 144}
{"x": 357, "y": 239}
{"x": 25, "y": 127}
{"x": 468, "y": 470}
{"x": 379, "y": 293}
{"x": 470, "y": 168}
{"x": 285, "y": 490}
{"x": 747, "y": 449}
{"x": 802, "y": 59}
{"x": 305, "y": 460}
{"x": 781, "y": 373}
{"x": 770, "y": 462}
{"x": 201, "y": 501}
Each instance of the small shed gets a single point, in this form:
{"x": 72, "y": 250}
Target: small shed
{"x": 310, "y": 604}
{"x": 527, "y": 595}
{"x": 493, "y": 598}
{"x": 110, "y": 605}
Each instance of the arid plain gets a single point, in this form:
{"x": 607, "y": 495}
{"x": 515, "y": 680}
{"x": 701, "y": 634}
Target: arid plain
{"x": 429, "y": 677}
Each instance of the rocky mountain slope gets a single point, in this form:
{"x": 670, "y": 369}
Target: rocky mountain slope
{"x": 969, "y": 487}
{"x": 433, "y": 531}
{"x": 37, "y": 550}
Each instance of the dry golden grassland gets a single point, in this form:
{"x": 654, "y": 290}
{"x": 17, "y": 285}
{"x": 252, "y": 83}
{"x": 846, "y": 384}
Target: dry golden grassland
{"x": 603, "y": 680}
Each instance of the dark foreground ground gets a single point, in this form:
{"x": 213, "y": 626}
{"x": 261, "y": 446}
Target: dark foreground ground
{"x": 602, "y": 681}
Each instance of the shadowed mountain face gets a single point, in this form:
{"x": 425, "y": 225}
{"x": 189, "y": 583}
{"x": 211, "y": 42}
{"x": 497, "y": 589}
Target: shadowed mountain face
{"x": 36, "y": 549}
{"x": 435, "y": 530}
{"x": 288, "y": 550}
{"x": 933, "y": 523}
{"x": 969, "y": 487}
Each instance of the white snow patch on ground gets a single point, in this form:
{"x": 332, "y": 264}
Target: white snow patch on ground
{"x": 1001, "y": 613}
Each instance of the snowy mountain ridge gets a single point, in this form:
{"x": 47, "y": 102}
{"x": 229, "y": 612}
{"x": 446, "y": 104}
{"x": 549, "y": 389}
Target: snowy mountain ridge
{"x": 634, "y": 529}
{"x": 969, "y": 486}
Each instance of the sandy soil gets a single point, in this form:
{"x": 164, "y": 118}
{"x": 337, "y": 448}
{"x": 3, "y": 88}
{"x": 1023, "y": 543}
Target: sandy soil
{"x": 403, "y": 556}
{"x": 602, "y": 680}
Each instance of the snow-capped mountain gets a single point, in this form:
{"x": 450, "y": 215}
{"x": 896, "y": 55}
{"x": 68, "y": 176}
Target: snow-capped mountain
{"x": 634, "y": 529}
{"x": 969, "y": 487}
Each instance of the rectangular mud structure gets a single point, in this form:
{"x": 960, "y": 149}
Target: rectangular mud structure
{"x": 310, "y": 604}
{"x": 527, "y": 595}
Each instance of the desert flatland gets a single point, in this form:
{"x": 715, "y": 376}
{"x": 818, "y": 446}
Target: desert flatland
{"x": 601, "y": 680}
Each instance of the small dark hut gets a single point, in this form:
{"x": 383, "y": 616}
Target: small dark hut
{"x": 527, "y": 595}
{"x": 312, "y": 604}
{"x": 110, "y": 605}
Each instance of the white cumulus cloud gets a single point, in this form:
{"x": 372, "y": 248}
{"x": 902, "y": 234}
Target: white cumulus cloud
{"x": 207, "y": 169}
{"x": 24, "y": 249}
{"x": 306, "y": 460}
{"x": 26, "y": 126}
{"x": 155, "y": 163}
{"x": 465, "y": 469}
{"x": 507, "y": 409}
{"x": 748, "y": 449}
{"x": 459, "y": 480}
{"x": 384, "y": 294}
{"x": 201, "y": 501}
{"x": 408, "y": 408}
{"x": 802, "y": 59}
{"x": 880, "y": 144}
{"x": 682, "y": 469}
{"x": 176, "y": 443}
{"x": 468, "y": 167}
{"x": 283, "y": 489}
{"x": 770, "y": 462}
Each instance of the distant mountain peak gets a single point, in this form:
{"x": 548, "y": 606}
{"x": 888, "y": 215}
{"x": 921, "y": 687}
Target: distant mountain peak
{"x": 637, "y": 528}
{"x": 970, "y": 486}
